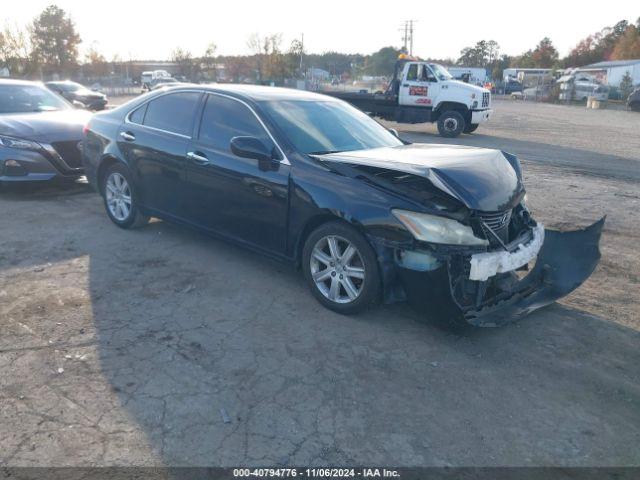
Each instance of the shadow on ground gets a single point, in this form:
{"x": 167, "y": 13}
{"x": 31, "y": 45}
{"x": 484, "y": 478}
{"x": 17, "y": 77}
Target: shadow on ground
{"x": 218, "y": 356}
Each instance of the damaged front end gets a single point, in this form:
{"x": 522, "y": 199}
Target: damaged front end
{"x": 491, "y": 288}
{"x": 476, "y": 256}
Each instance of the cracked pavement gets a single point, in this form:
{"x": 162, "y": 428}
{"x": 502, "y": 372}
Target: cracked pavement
{"x": 161, "y": 346}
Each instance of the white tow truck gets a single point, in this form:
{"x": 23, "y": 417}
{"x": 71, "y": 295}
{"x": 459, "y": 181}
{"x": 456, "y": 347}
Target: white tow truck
{"x": 423, "y": 92}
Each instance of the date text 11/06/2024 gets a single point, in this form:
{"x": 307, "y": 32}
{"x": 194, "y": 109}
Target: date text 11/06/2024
{"x": 316, "y": 473}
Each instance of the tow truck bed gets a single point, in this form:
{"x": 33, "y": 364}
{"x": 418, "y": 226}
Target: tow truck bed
{"x": 384, "y": 106}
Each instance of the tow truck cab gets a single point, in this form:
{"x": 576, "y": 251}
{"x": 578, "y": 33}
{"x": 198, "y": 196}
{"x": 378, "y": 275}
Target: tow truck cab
{"x": 421, "y": 92}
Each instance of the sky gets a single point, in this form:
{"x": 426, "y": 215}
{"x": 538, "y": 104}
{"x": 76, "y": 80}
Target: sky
{"x": 138, "y": 29}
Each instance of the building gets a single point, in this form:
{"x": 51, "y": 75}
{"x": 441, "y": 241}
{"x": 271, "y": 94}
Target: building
{"x": 518, "y": 73}
{"x": 611, "y": 72}
{"x": 315, "y": 73}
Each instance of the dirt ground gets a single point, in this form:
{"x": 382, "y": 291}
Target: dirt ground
{"x": 161, "y": 346}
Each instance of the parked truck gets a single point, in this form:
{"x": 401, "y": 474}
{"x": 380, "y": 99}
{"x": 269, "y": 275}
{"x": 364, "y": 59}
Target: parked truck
{"x": 421, "y": 92}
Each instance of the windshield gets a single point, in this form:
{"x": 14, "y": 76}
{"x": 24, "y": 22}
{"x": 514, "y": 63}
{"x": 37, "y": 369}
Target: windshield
{"x": 69, "y": 86}
{"x": 317, "y": 127}
{"x": 29, "y": 98}
{"x": 440, "y": 72}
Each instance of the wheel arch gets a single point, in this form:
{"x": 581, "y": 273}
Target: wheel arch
{"x": 315, "y": 222}
{"x": 446, "y": 106}
{"x": 105, "y": 163}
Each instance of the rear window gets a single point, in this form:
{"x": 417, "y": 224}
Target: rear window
{"x": 173, "y": 112}
{"x": 138, "y": 115}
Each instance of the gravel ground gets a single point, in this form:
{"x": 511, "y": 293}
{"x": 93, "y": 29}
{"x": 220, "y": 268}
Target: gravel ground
{"x": 164, "y": 347}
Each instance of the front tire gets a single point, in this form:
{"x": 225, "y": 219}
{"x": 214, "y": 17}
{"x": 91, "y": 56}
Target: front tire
{"x": 120, "y": 198}
{"x": 341, "y": 268}
{"x": 471, "y": 128}
{"x": 451, "y": 124}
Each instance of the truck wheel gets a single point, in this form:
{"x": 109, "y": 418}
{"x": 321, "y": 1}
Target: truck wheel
{"x": 471, "y": 128}
{"x": 451, "y": 124}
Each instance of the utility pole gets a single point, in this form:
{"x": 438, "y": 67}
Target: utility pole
{"x": 407, "y": 36}
{"x": 411, "y": 37}
{"x": 301, "y": 53}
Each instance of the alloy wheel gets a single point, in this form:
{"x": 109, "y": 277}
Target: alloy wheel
{"x": 337, "y": 269}
{"x": 118, "y": 195}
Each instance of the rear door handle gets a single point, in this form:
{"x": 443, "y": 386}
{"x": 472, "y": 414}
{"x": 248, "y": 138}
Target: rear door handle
{"x": 198, "y": 158}
{"x": 128, "y": 136}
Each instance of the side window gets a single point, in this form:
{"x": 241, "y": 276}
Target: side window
{"x": 224, "y": 118}
{"x": 173, "y": 112}
{"x": 425, "y": 73}
{"x": 412, "y": 73}
{"x": 138, "y": 114}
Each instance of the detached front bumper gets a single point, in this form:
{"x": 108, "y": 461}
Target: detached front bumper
{"x": 564, "y": 262}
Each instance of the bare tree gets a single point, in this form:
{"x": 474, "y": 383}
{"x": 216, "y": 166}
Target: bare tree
{"x": 15, "y": 51}
{"x": 209, "y": 61}
{"x": 95, "y": 63}
{"x": 186, "y": 63}
{"x": 254, "y": 43}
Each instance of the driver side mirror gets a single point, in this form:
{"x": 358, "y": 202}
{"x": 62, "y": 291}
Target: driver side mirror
{"x": 252, "y": 147}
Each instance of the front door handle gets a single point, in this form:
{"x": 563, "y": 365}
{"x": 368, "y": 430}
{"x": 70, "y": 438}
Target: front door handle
{"x": 198, "y": 158}
{"x": 128, "y": 136}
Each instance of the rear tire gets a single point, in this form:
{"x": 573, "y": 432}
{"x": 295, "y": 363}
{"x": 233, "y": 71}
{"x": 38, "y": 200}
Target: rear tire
{"x": 341, "y": 268}
{"x": 451, "y": 124}
{"x": 120, "y": 198}
{"x": 471, "y": 128}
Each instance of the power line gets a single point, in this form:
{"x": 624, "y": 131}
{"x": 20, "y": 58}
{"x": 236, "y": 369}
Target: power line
{"x": 407, "y": 30}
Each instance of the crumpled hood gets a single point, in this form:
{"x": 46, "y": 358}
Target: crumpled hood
{"x": 45, "y": 126}
{"x": 482, "y": 179}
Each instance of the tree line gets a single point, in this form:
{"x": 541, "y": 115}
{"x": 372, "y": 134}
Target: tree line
{"x": 618, "y": 42}
{"x": 50, "y": 45}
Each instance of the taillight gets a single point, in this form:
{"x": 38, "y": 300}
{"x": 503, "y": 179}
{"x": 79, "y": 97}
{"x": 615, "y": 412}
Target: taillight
{"x": 85, "y": 129}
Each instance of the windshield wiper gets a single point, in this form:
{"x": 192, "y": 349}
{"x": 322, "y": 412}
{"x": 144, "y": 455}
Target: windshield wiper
{"x": 325, "y": 152}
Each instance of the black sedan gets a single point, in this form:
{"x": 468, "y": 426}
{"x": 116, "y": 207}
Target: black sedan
{"x": 74, "y": 92}
{"x": 40, "y": 134}
{"x": 311, "y": 180}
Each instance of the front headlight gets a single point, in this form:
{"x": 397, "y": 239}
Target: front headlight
{"x": 20, "y": 143}
{"x": 430, "y": 228}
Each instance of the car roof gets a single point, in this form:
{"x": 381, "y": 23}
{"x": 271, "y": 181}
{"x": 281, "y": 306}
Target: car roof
{"x": 13, "y": 81}
{"x": 58, "y": 82}
{"x": 259, "y": 93}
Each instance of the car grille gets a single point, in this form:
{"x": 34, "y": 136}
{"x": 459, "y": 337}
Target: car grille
{"x": 498, "y": 222}
{"x": 70, "y": 153}
{"x": 486, "y": 99}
